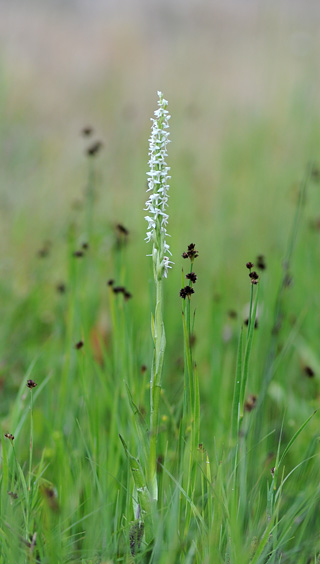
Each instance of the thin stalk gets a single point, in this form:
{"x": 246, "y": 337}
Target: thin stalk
{"x": 90, "y": 193}
{"x": 31, "y": 440}
{"x": 29, "y": 487}
{"x": 250, "y": 311}
{"x": 247, "y": 355}
{"x": 156, "y": 385}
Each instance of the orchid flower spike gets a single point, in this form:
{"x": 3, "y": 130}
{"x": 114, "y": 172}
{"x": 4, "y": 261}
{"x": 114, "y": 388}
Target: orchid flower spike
{"x": 158, "y": 186}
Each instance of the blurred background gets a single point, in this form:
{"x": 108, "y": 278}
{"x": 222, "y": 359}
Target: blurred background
{"x": 242, "y": 80}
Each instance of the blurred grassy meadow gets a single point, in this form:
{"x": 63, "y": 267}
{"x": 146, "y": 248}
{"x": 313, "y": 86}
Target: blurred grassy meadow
{"x": 242, "y": 81}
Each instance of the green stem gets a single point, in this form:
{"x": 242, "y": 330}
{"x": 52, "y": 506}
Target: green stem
{"x": 155, "y": 385}
{"x": 31, "y": 442}
{"x": 250, "y": 311}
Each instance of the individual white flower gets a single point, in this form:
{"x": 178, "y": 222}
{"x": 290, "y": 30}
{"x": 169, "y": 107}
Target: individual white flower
{"x": 158, "y": 185}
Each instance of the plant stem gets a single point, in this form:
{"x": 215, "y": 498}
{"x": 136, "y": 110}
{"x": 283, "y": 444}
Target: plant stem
{"x": 155, "y": 385}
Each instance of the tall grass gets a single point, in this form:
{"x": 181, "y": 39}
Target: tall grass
{"x": 230, "y": 437}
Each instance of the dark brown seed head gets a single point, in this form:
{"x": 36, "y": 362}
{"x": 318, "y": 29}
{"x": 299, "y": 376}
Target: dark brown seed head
{"x": 143, "y": 369}
{"x": 13, "y": 495}
{"x": 191, "y": 253}
{"x": 31, "y": 384}
{"x": 42, "y": 253}
{"x": 256, "y": 323}
{"x": 123, "y": 230}
{"x": 186, "y": 291}
{"x": 9, "y": 436}
{"x": 272, "y": 470}
{"x": 94, "y": 148}
{"x": 61, "y": 288}
{"x": 87, "y": 131}
{"x": 192, "y": 340}
{"x": 110, "y": 282}
{"x": 127, "y": 295}
{"x": 78, "y": 254}
{"x": 261, "y": 263}
{"x": 309, "y": 371}
{"x": 249, "y": 265}
{"x": 85, "y": 246}
{"x": 254, "y": 281}
{"x": 315, "y": 173}
{"x": 250, "y": 403}
{"x": 119, "y": 289}
{"x": 192, "y": 276}
{"x": 254, "y": 275}
{"x": 79, "y": 345}
{"x": 232, "y": 314}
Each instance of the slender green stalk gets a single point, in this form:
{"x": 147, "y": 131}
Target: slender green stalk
{"x": 31, "y": 442}
{"x": 156, "y": 385}
{"x": 247, "y": 354}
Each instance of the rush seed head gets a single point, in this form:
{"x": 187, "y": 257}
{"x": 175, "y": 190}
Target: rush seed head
{"x": 186, "y": 291}
{"x": 31, "y": 384}
{"x": 158, "y": 186}
{"x": 94, "y": 149}
{"x": 191, "y": 253}
{"x": 261, "y": 262}
{"x": 192, "y": 276}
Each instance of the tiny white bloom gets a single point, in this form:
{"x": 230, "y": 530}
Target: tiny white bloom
{"x": 158, "y": 185}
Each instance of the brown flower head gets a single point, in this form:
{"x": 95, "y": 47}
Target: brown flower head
{"x": 256, "y": 323}
{"x": 119, "y": 289}
{"x": 186, "y": 291}
{"x": 61, "y": 288}
{"x": 122, "y": 229}
{"x": 309, "y": 371}
{"x": 87, "y": 131}
{"x": 261, "y": 263}
{"x": 94, "y": 148}
{"x": 191, "y": 253}
{"x": 250, "y": 402}
{"x": 192, "y": 276}
{"x": 31, "y": 384}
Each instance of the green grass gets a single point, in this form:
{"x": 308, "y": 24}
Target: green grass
{"x": 234, "y": 486}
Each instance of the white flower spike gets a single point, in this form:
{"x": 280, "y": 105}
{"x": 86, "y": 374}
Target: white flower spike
{"x": 158, "y": 185}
